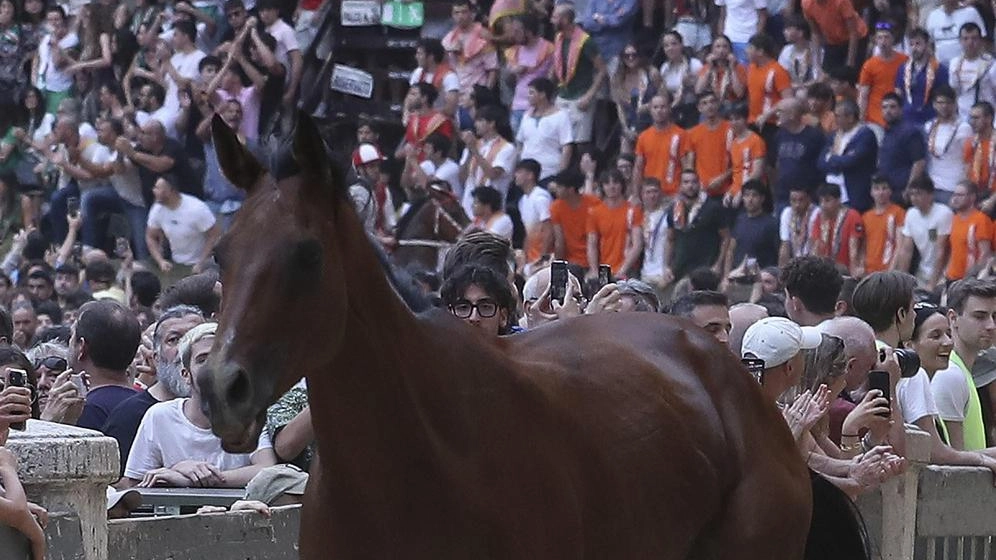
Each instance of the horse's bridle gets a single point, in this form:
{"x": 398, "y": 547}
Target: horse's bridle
{"x": 434, "y": 243}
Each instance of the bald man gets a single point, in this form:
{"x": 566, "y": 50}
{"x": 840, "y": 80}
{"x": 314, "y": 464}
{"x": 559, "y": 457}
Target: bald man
{"x": 158, "y": 155}
{"x": 794, "y": 152}
{"x": 742, "y": 316}
{"x": 862, "y": 357}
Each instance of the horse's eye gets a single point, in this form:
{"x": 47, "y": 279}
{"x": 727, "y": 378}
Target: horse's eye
{"x": 308, "y": 254}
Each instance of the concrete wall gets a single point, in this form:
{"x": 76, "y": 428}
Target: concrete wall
{"x": 217, "y": 536}
{"x": 67, "y": 470}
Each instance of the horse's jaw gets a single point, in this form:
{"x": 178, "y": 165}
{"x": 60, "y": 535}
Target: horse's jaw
{"x": 229, "y": 399}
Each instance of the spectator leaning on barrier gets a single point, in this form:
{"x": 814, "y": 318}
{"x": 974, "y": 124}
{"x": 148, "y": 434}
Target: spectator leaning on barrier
{"x": 972, "y": 313}
{"x": 175, "y": 446}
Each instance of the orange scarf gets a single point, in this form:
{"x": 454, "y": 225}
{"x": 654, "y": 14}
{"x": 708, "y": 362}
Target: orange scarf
{"x": 442, "y": 69}
{"x": 578, "y": 39}
{"x": 473, "y": 45}
{"x": 546, "y": 50}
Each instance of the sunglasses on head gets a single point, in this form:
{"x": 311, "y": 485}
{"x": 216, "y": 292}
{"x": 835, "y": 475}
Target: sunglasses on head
{"x": 883, "y": 26}
{"x": 53, "y": 363}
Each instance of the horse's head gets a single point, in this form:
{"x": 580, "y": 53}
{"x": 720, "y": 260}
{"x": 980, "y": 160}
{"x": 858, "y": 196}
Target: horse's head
{"x": 280, "y": 269}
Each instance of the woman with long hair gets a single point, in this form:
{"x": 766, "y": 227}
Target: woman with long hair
{"x": 679, "y": 72}
{"x": 722, "y": 73}
{"x": 634, "y": 83}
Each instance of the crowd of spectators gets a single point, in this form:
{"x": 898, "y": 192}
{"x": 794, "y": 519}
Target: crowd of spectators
{"x": 808, "y": 182}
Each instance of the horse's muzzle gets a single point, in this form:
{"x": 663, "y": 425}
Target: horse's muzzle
{"x": 229, "y": 402}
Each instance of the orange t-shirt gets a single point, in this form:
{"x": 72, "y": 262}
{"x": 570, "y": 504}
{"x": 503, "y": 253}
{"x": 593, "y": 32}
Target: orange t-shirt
{"x": 711, "y": 158}
{"x": 613, "y": 226}
{"x": 662, "y": 151}
{"x": 765, "y": 85}
{"x": 829, "y": 236}
{"x": 719, "y": 83}
{"x": 966, "y": 234}
{"x": 573, "y": 221}
{"x": 744, "y": 154}
{"x": 831, "y": 17}
{"x": 879, "y": 75}
{"x": 979, "y": 160}
{"x": 882, "y": 236}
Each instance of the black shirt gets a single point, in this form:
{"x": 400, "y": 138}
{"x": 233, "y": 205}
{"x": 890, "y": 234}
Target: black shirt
{"x": 756, "y": 237}
{"x": 696, "y": 244}
{"x": 122, "y": 423}
{"x": 187, "y": 181}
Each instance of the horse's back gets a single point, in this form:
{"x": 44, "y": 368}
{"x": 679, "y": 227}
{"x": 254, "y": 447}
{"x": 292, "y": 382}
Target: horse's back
{"x": 671, "y": 420}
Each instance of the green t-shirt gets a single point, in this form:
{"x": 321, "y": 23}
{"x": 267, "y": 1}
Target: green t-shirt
{"x": 10, "y": 164}
{"x": 585, "y": 73}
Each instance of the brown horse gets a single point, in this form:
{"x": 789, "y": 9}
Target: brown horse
{"x": 428, "y": 229}
{"x": 614, "y": 436}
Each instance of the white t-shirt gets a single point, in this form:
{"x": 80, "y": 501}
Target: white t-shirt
{"x": 54, "y": 79}
{"x": 924, "y": 231}
{"x": 741, "y": 18}
{"x": 542, "y": 140}
{"x": 127, "y": 183}
{"x": 186, "y": 66}
{"x": 447, "y": 171}
{"x": 944, "y": 28}
{"x": 97, "y": 153}
{"x": 915, "y": 397}
{"x": 166, "y": 437}
{"x": 286, "y": 43}
{"x": 964, "y": 75}
{"x": 534, "y": 208}
{"x": 950, "y": 393}
{"x": 166, "y": 116}
{"x": 185, "y": 227}
{"x": 501, "y": 226}
{"x": 654, "y": 242}
{"x": 785, "y": 229}
{"x": 673, "y": 74}
{"x": 450, "y": 80}
{"x": 505, "y": 159}
{"x": 945, "y": 163}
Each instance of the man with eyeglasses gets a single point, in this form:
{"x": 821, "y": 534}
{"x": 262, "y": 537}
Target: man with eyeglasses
{"x": 481, "y": 297}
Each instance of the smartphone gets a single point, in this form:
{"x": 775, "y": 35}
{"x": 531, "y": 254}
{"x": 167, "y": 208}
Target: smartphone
{"x": 879, "y": 379}
{"x": 81, "y": 382}
{"x": 121, "y": 247}
{"x": 73, "y": 206}
{"x": 17, "y": 378}
{"x": 604, "y": 275}
{"x": 755, "y": 367}
{"x": 558, "y": 281}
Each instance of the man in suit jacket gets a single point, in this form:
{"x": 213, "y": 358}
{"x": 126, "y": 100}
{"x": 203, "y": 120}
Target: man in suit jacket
{"x": 850, "y": 158}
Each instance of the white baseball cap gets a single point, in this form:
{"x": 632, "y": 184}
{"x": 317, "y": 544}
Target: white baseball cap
{"x": 366, "y": 153}
{"x": 776, "y": 340}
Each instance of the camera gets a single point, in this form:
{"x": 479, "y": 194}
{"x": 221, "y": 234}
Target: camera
{"x": 909, "y": 362}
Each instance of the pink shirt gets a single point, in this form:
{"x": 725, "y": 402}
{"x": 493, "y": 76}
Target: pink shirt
{"x": 250, "y": 110}
{"x": 528, "y": 58}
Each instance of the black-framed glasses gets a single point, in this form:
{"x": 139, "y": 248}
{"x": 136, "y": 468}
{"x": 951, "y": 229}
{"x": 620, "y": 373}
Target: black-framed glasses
{"x": 53, "y": 363}
{"x": 464, "y": 309}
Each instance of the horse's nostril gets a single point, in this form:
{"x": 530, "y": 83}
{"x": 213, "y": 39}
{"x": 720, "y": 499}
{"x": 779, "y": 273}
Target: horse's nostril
{"x": 238, "y": 391}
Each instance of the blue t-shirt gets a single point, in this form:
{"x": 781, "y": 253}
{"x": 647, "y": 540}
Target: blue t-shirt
{"x": 100, "y": 401}
{"x": 122, "y": 423}
{"x": 902, "y": 145}
{"x": 795, "y": 158}
{"x": 756, "y": 237}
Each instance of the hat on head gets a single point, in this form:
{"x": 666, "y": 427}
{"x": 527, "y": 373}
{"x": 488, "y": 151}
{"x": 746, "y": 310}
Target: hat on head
{"x": 366, "y": 153}
{"x": 776, "y": 340}
{"x": 984, "y": 368}
{"x": 273, "y": 482}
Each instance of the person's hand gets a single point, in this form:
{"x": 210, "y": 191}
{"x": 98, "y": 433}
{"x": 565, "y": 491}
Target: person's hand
{"x": 7, "y": 459}
{"x": 807, "y": 410}
{"x": 252, "y": 505}
{"x": 40, "y": 513}
{"x": 606, "y": 300}
{"x": 21, "y": 239}
{"x": 871, "y": 414}
{"x": 75, "y": 221}
{"x": 731, "y": 60}
{"x": 122, "y": 145}
{"x": 868, "y": 469}
{"x": 164, "y": 477}
{"x": 200, "y": 473}
{"x": 64, "y": 404}
{"x": 20, "y": 134}
{"x": 731, "y": 200}
{"x": 165, "y": 265}
{"x": 15, "y": 404}
{"x": 588, "y": 164}
{"x": 584, "y": 103}
{"x": 251, "y": 23}
{"x": 470, "y": 140}
{"x": 198, "y": 267}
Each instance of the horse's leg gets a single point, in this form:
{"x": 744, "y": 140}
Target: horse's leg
{"x": 766, "y": 517}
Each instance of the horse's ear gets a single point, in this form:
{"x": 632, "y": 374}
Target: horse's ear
{"x": 310, "y": 151}
{"x": 239, "y": 166}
